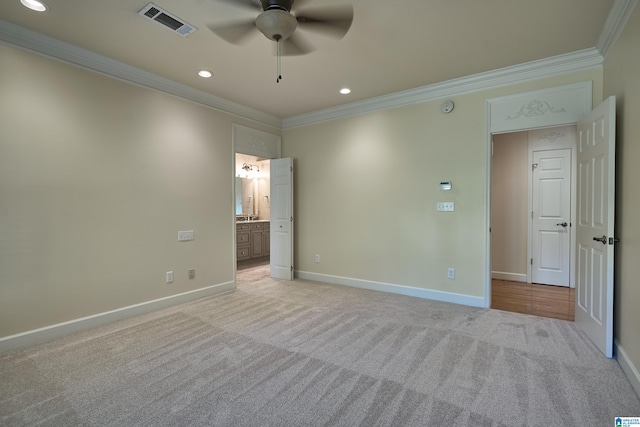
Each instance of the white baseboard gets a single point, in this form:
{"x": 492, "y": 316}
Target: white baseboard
{"x": 48, "y": 333}
{"x": 513, "y": 277}
{"x": 394, "y": 289}
{"x": 627, "y": 366}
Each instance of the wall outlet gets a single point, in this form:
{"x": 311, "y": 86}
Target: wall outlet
{"x": 192, "y": 273}
{"x": 451, "y": 273}
{"x": 317, "y": 258}
{"x": 445, "y": 207}
{"x": 184, "y": 236}
{"x": 169, "y": 276}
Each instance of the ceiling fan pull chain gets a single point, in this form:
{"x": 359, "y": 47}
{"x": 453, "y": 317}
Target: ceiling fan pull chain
{"x": 279, "y": 65}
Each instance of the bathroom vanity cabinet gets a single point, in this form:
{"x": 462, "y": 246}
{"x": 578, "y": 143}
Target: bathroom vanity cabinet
{"x": 252, "y": 239}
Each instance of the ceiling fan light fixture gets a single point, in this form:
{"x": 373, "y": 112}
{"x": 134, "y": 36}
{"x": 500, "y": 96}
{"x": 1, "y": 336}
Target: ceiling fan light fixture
{"x": 345, "y": 91}
{"x": 205, "y": 74}
{"x": 276, "y": 25}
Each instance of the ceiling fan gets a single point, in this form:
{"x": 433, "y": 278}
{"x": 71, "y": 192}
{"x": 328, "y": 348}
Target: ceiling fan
{"x": 278, "y": 22}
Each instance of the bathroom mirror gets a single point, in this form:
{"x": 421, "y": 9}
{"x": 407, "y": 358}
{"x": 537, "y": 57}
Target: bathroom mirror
{"x": 244, "y": 196}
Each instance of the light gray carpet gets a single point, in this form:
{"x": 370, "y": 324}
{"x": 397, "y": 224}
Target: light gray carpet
{"x": 300, "y": 353}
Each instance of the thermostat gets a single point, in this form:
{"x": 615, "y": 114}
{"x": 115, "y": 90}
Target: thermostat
{"x": 445, "y": 185}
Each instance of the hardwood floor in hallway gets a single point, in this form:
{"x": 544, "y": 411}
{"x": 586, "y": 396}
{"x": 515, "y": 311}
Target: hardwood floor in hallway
{"x": 556, "y": 302}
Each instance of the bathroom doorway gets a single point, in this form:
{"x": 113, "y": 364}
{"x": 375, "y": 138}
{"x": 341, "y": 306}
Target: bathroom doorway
{"x": 253, "y": 211}
{"x": 266, "y": 227}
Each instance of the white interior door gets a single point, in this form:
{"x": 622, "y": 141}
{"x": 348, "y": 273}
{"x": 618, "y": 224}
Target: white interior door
{"x": 282, "y": 218}
{"x": 551, "y": 217}
{"x": 596, "y": 192}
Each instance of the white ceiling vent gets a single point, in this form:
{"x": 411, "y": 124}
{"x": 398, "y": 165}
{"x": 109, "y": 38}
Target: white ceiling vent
{"x": 153, "y": 12}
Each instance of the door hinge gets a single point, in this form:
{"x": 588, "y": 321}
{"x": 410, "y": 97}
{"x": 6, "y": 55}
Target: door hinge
{"x": 531, "y": 214}
{"x": 531, "y": 261}
{"x": 292, "y": 268}
{"x": 291, "y": 169}
{"x": 291, "y": 219}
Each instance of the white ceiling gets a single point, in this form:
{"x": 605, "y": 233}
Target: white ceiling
{"x": 392, "y": 46}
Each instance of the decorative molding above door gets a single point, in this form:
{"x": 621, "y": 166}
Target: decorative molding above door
{"x": 255, "y": 142}
{"x": 542, "y": 108}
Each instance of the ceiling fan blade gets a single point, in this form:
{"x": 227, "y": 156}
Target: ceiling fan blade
{"x": 236, "y": 32}
{"x": 334, "y": 21}
{"x": 295, "y": 45}
{"x": 253, "y": 5}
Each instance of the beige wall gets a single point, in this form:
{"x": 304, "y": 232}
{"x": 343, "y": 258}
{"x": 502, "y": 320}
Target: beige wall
{"x": 366, "y": 189}
{"x": 96, "y": 179}
{"x": 622, "y": 79}
{"x": 509, "y": 205}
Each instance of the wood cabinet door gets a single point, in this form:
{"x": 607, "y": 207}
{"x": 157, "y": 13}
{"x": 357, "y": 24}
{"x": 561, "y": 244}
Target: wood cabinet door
{"x": 257, "y": 244}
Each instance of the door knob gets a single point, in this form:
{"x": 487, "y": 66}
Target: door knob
{"x": 564, "y": 224}
{"x": 602, "y": 239}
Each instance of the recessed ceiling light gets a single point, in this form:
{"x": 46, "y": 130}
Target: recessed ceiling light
{"x": 205, "y": 73}
{"x": 36, "y": 5}
{"x": 345, "y": 91}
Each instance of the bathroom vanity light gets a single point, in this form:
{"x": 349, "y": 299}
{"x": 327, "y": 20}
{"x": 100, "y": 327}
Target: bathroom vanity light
{"x": 248, "y": 167}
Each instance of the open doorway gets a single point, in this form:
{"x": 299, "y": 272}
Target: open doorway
{"x": 253, "y": 211}
{"x": 595, "y": 193}
{"x": 266, "y": 228}
{"x": 532, "y": 216}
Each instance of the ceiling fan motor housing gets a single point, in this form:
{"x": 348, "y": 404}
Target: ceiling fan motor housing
{"x": 277, "y": 4}
{"x": 276, "y": 24}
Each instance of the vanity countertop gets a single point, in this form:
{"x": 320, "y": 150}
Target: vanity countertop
{"x": 252, "y": 221}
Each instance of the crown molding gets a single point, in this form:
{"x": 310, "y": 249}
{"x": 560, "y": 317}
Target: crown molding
{"x": 575, "y": 61}
{"x": 618, "y": 16}
{"x": 20, "y": 37}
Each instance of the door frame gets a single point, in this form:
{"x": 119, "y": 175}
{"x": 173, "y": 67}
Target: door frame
{"x": 558, "y": 106}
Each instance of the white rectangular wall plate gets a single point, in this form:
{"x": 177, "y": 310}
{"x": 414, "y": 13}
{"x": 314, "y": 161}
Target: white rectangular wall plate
{"x": 184, "y": 236}
{"x": 445, "y": 207}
